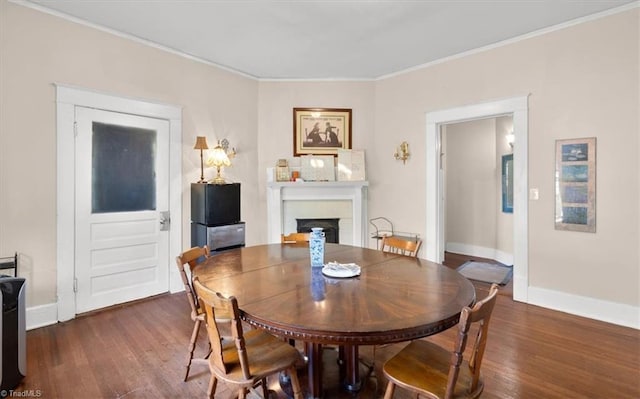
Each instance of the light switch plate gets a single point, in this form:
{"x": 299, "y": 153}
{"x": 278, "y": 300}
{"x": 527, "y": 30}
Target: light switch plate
{"x": 533, "y": 194}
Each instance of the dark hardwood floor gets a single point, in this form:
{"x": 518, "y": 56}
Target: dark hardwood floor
{"x": 138, "y": 350}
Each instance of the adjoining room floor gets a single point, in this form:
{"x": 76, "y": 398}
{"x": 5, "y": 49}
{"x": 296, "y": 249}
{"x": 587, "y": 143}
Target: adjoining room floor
{"x": 454, "y": 261}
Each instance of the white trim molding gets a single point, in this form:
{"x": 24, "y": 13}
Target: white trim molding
{"x": 42, "y": 315}
{"x": 67, "y": 99}
{"x": 592, "y": 308}
{"x": 434, "y": 234}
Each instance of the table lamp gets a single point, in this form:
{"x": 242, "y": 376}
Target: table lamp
{"x": 201, "y": 144}
{"x": 218, "y": 157}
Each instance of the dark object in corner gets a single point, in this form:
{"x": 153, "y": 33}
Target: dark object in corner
{"x": 13, "y": 355}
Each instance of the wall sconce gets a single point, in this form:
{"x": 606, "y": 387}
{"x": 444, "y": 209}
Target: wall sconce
{"x": 219, "y": 157}
{"x": 510, "y": 139}
{"x": 402, "y": 152}
{"x": 201, "y": 144}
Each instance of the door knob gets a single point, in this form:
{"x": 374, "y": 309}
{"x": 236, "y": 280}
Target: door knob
{"x": 165, "y": 221}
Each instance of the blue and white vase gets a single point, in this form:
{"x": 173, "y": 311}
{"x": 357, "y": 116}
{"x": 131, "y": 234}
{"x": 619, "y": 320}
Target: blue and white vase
{"x": 316, "y": 247}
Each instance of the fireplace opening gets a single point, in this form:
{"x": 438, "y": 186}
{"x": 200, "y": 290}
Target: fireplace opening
{"x": 330, "y": 228}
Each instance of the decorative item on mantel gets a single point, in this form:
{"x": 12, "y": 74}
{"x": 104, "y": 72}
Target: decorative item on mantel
{"x": 282, "y": 170}
{"x": 220, "y": 156}
{"x": 351, "y": 165}
{"x": 402, "y": 152}
{"x": 317, "y": 168}
{"x": 316, "y": 247}
{"x": 201, "y": 144}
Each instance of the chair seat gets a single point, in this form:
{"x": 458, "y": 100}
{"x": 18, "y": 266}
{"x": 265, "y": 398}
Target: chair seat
{"x": 266, "y": 354}
{"x": 401, "y": 246}
{"x": 408, "y": 369}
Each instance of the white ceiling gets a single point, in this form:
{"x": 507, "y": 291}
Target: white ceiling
{"x": 329, "y": 39}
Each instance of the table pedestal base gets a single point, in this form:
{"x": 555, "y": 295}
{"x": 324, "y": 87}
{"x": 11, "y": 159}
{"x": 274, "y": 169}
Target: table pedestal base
{"x": 314, "y": 369}
{"x": 349, "y": 371}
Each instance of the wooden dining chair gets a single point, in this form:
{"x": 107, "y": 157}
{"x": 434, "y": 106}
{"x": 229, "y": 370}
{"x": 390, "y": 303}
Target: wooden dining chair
{"x": 402, "y": 246}
{"x": 250, "y": 357}
{"x": 432, "y": 371}
{"x": 294, "y": 238}
{"x": 190, "y": 258}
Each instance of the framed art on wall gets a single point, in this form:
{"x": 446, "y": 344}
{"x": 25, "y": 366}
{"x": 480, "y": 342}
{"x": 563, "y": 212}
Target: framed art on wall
{"x": 321, "y": 131}
{"x": 507, "y": 183}
{"x": 576, "y": 185}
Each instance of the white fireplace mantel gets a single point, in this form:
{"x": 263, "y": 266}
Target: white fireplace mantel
{"x": 354, "y": 191}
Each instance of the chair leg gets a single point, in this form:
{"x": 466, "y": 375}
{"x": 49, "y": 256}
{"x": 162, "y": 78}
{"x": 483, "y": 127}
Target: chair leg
{"x": 242, "y": 393}
{"x": 192, "y": 346}
{"x": 295, "y": 383}
{"x": 265, "y": 388}
{"x": 391, "y": 387}
{"x": 213, "y": 383}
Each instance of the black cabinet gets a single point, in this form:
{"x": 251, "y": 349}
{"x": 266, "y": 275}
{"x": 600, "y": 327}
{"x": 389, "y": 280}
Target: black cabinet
{"x": 215, "y": 216}
{"x": 215, "y": 204}
{"x": 218, "y": 237}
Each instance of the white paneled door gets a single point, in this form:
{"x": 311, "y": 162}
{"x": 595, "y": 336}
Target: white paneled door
{"x": 122, "y": 199}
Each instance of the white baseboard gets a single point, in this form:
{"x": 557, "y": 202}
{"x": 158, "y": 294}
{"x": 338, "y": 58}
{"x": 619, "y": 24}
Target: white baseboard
{"x": 42, "y": 315}
{"x": 597, "y": 309}
{"x": 46, "y": 315}
{"x": 481, "y": 252}
{"x": 610, "y": 312}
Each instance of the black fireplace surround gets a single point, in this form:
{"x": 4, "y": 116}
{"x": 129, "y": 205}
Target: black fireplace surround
{"x": 329, "y": 227}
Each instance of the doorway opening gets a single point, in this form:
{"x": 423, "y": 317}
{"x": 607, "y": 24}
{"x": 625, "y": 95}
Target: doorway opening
{"x": 517, "y": 107}
{"x": 476, "y": 223}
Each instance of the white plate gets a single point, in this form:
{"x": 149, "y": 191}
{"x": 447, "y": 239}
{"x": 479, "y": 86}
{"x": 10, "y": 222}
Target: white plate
{"x": 341, "y": 270}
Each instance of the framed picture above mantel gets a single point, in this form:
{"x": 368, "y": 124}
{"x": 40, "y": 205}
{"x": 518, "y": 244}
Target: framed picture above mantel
{"x": 321, "y": 131}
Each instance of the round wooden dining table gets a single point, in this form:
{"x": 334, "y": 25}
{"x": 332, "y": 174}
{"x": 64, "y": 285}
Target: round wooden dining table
{"x": 395, "y": 298}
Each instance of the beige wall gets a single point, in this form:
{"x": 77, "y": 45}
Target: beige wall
{"x": 583, "y": 81}
{"x": 39, "y": 49}
{"x": 470, "y": 179}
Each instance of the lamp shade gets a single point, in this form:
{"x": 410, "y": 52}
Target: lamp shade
{"x": 218, "y": 157}
{"x": 201, "y": 143}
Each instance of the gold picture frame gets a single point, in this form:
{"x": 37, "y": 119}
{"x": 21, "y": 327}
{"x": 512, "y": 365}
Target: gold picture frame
{"x": 576, "y": 185}
{"x": 321, "y": 131}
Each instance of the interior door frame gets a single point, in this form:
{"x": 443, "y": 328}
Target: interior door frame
{"x": 434, "y": 235}
{"x": 67, "y": 99}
